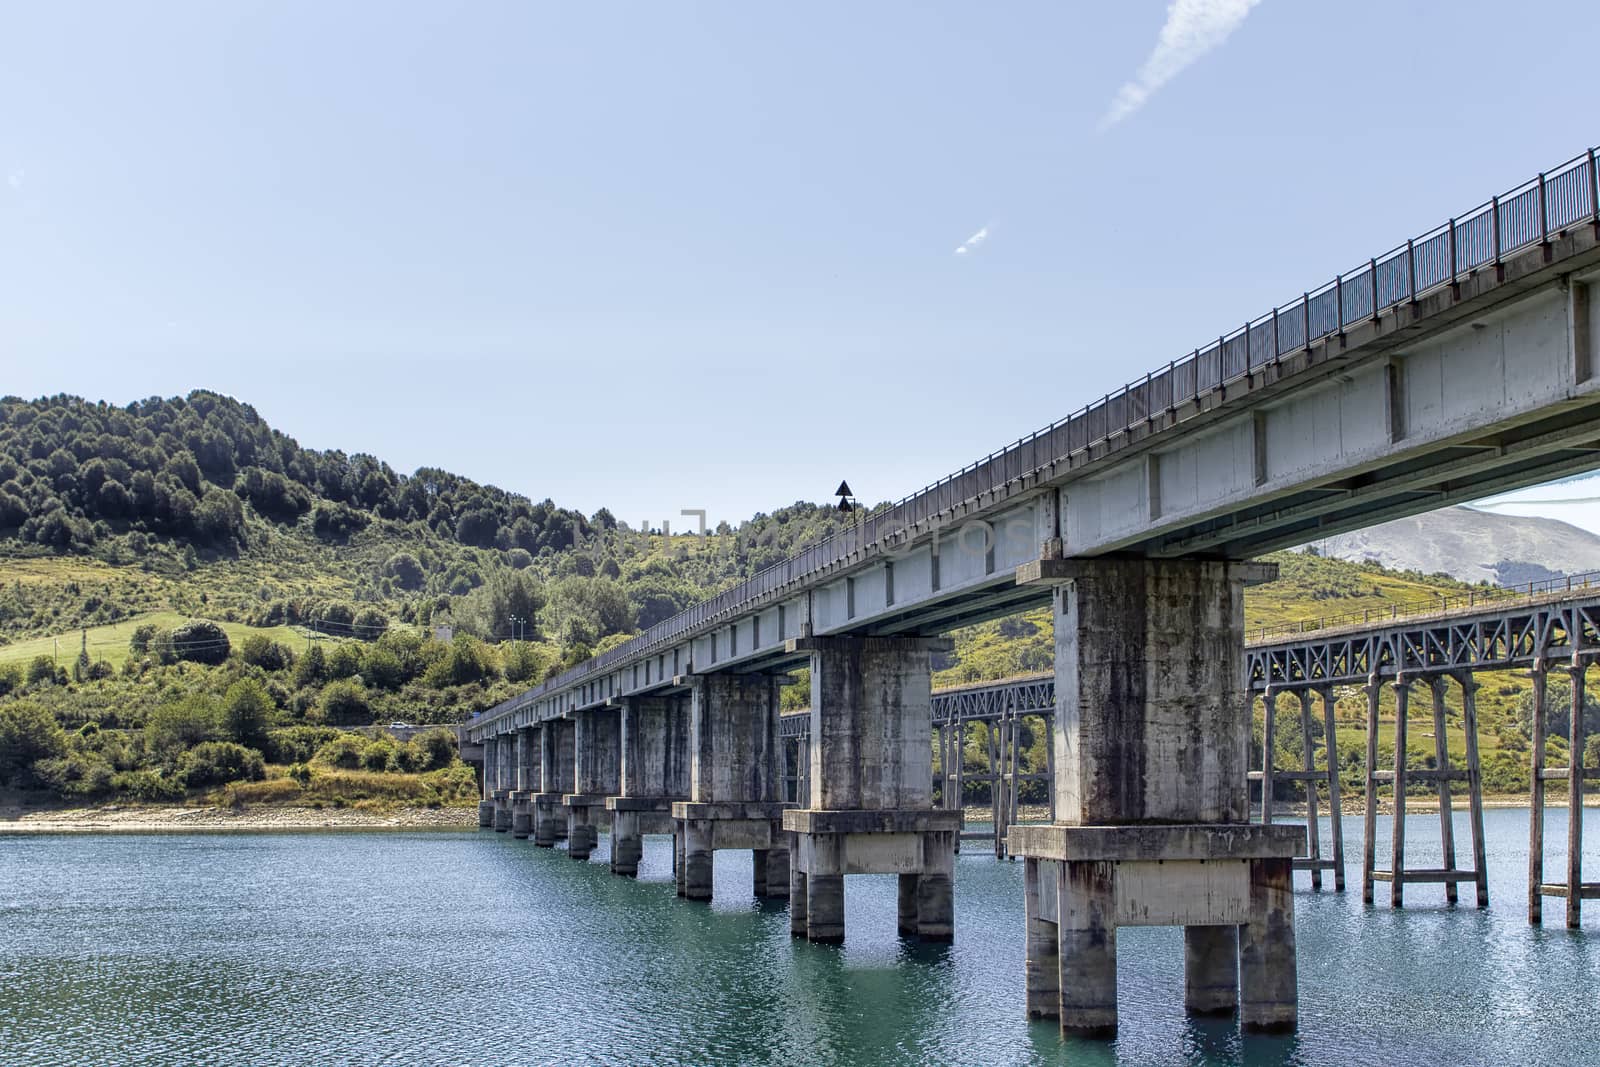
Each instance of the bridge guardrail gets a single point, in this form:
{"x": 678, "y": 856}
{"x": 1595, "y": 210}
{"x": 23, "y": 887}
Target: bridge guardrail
{"x": 1528, "y": 214}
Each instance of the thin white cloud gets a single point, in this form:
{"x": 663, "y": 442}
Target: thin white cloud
{"x": 1193, "y": 28}
{"x": 972, "y": 242}
{"x": 15, "y": 178}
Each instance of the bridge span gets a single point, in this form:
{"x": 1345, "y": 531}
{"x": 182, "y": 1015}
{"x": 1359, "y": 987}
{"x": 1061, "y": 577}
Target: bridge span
{"x": 1458, "y": 364}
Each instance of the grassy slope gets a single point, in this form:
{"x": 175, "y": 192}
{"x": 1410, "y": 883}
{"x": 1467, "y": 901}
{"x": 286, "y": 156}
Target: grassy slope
{"x": 1309, "y": 588}
{"x": 110, "y": 642}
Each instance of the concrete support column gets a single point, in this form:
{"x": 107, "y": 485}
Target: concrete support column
{"x": 1151, "y": 742}
{"x": 798, "y": 889}
{"x": 825, "y": 908}
{"x": 824, "y": 889}
{"x": 778, "y": 866}
{"x": 906, "y": 912}
{"x": 734, "y": 780}
{"x": 1268, "y": 983}
{"x": 1211, "y": 969}
{"x": 936, "y": 905}
{"x": 1088, "y": 948}
{"x": 627, "y": 843}
{"x": 486, "y": 804}
{"x": 869, "y": 802}
{"x": 758, "y": 871}
{"x": 1043, "y": 960}
{"x": 697, "y": 867}
{"x": 596, "y": 763}
{"x": 521, "y": 814}
{"x": 680, "y": 867}
{"x": 582, "y": 835}
{"x": 652, "y": 773}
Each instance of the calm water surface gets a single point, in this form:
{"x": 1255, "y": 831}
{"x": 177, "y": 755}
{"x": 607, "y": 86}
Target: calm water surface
{"x": 474, "y": 948}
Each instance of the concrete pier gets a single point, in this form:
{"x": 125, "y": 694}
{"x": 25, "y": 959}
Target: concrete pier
{"x": 1151, "y": 743}
{"x": 597, "y": 755}
{"x": 486, "y": 804}
{"x": 526, "y": 750}
{"x": 734, "y": 782}
{"x": 556, "y": 772}
{"x": 870, "y": 807}
{"x": 654, "y": 773}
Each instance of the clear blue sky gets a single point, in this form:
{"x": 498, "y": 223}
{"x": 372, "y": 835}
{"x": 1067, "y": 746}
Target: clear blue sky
{"x": 657, "y": 256}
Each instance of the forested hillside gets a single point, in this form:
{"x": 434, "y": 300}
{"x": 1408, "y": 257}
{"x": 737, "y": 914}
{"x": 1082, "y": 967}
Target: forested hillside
{"x": 190, "y": 601}
{"x": 195, "y": 504}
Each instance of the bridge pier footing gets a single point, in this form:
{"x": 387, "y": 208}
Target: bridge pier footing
{"x": 870, "y": 805}
{"x": 502, "y": 810}
{"x": 549, "y": 821}
{"x": 734, "y": 782}
{"x": 1151, "y": 740}
{"x": 521, "y": 814}
{"x": 485, "y": 814}
{"x": 631, "y": 819}
{"x": 705, "y": 829}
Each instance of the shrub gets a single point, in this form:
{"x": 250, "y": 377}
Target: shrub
{"x": 11, "y": 678}
{"x": 41, "y": 669}
{"x": 220, "y": 762}
{"x": 76, "y": 774}
{"x": 182, "y": 724}
{"x": 143, "y": 634}
{"x": 345, "y": 660}
{"x": 436, "y": 747}
{"x": 260, "y": 651}
{"x": 28, "y": 732}
{"x": 148, "y": 785}
{"x": 344, "y": 703}
{"x": 406, "y": 570}
{"x": 200, "y": 641}
{"x": 297, "y": 744}
{"x": 246, "y": 713}
{"x": 381, "y": 755}
{"x": 301, "y": 773}
{"x": 344, "y": 751}
{"x": 382, "y": 669}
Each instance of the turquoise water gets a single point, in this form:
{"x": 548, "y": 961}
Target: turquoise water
{"x": 477, "y": 949}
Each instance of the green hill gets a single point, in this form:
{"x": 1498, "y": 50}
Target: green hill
{"x": 336, "y": 592}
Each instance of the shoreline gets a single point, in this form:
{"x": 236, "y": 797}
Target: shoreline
{"x": 145, "y": 819}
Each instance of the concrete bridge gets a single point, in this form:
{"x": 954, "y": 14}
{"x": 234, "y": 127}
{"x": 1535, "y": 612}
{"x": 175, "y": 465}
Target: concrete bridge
{"x": 1552, "y": 625}
{"x": 1458, "y": 364}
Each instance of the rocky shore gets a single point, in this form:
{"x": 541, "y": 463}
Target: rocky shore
{"x": 131, "y": 818}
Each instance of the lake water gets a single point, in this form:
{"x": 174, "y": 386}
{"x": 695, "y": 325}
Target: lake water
{"x": 474, "y": 948}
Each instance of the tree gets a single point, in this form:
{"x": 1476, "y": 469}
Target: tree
{"x": 41, "y": 669}
{"x": 344, "y": 703}
{"x": 143, "y": 634}
{"x": 28, "y": 732}
{"x": 258, "y": 650}
{"x": 311, "y": 668}
{"x": 404, "y": 568}
{"x": 246, "y": 713}
{"x": 1558, "y": 709}
{"x": 218, "y": 763}
{"x": 181, "y": 724}
{"x": 200, "y": 641}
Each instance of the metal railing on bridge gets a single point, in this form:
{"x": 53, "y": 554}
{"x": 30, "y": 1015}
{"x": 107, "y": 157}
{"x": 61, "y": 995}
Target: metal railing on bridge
{"x": 1526, "y": 215}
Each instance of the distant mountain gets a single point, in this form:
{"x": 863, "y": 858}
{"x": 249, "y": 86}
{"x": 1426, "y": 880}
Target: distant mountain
{"x": 1473, "y": 546}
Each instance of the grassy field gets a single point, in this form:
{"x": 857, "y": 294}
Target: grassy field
{"x": 111, "y": 642}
